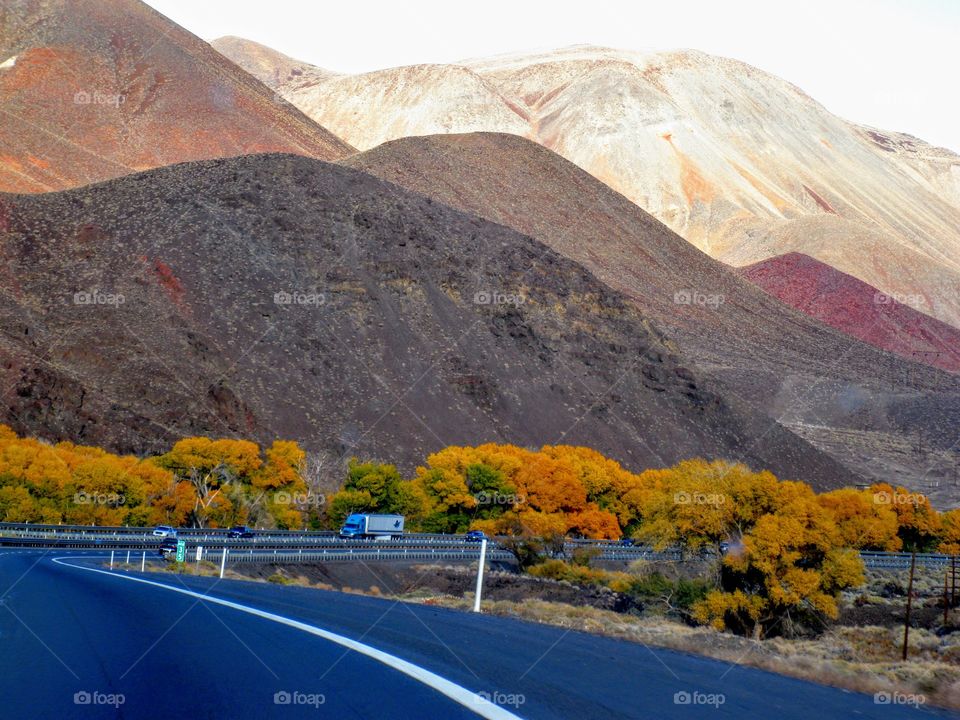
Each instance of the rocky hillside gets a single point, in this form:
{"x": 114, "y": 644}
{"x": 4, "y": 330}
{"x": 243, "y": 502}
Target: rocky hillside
{"x": 93, "y": 89}
{"x": 862, "y": 405}
{"x": 275, "y": 295}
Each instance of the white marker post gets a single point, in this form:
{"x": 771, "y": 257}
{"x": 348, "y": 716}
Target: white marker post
{"x": 143, "y": 562}
{"x": 111, "y": 559}
{"x": 128, "y": 557}
{"x": 483, "y": 559}
{"x": 199, "y": 555}
{"x": 223, "y": 562}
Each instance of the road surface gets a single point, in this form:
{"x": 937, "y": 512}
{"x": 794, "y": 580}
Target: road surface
{"x": 80, "y": 642}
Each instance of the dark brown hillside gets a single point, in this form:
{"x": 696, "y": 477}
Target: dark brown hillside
{"x": 387, "y": 350}
{"x": 885, "y": 417}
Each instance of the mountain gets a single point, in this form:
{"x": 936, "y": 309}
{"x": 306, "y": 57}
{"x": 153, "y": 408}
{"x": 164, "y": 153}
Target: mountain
{"x": 93, "y": 89}
{"x": 272, "y": 68}
{"x": 858, "y": 309}
{"x": 416, "y": 100}
{"x": 865, "y": 407}
{"x": 728, "y": 156}
{"x": 276, "y": 295}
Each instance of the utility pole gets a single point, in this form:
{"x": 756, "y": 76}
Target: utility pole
{"x": 946, "y": 600}
{"x": 906, "y": 623}
{"x": 953, "y": 580}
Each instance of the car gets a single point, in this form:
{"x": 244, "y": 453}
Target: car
{"x": 475, "y": 536}
{"x": 241, "y": 532}
{"x": 626, "y": 542}
{"x": 164, "y": 531}
{"x": 168, "y": 546}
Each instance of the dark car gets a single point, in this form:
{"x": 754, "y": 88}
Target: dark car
{"x": 240, "y": 531}
{"x": 626, "y": 542}
{"x": 168, "y": 546}
{"x": 475, "y": 536}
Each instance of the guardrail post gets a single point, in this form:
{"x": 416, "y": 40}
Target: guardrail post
{"x": 223, "y": 562}
{"x": 483, "y": 558}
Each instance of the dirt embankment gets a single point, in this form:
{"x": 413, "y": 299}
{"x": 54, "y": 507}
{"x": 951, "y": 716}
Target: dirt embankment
{"x": 422, "y": 581}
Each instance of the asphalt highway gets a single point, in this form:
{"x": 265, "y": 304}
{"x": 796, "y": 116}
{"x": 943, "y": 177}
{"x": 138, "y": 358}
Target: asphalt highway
{"x": 77, "y": 641}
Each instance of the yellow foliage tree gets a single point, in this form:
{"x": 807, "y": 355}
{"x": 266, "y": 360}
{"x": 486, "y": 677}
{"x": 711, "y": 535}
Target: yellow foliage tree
{"x": 863, "y": 523}
{"x": 790, "y": 570}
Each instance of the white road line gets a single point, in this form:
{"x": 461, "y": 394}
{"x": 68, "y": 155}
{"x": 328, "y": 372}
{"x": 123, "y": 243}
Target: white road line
{"x": 470, "y": 700}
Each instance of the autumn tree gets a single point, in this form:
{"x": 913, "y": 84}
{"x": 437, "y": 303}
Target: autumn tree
{"x": 788, "y": 573}
{"x": 697, "y": 504}
{"x": 373, "y": 487}
{"x": 950, "y": 532}
{"x": 864, "y": 523}
{"x": 918, "y": 523}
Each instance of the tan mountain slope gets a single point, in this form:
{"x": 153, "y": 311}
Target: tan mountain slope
{"x": 92, "y": 89}
{"x": 375, "y": 107}
{"x": 272, "y": 68}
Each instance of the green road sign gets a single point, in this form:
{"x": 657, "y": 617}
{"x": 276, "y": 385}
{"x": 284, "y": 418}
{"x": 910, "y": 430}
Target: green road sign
{"x": 181, "y": 550}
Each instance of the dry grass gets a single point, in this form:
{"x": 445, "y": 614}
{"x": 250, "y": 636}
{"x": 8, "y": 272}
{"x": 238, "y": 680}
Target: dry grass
{"x": 864, "y": 659}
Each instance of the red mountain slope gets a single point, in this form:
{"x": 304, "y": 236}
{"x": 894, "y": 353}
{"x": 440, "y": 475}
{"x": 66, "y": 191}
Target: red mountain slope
{"x": 893, "y": 323}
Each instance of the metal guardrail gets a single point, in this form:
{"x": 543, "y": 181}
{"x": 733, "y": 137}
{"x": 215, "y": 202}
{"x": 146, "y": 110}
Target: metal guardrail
{"x": 113, "y": 531}
{"x": 900, "y": 560}
{"x": 326, "y": 544}
{"x": 353, "y": 556}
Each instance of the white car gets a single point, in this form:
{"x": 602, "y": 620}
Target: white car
{"x": 164, "y": 531}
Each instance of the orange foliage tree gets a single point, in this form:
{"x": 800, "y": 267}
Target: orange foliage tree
{"x": 199, "y": 481}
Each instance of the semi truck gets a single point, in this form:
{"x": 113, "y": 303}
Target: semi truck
{"x": 382, "y": 527}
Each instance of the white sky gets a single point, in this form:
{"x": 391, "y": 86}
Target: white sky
{"x": 892, "y": 64}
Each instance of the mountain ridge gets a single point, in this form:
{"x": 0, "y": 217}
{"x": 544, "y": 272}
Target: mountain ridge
{"x": 94, "y": 89}
{"x": 722, "y": 152}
